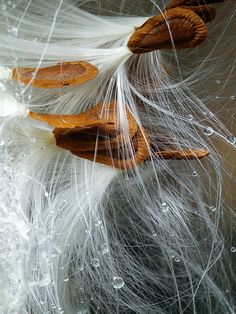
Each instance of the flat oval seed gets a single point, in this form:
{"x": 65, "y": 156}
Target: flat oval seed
{"x": 57, "y": 76}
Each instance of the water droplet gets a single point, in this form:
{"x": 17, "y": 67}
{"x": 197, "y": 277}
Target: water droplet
{"x": 66, "y": 279}
{"x": 176, "y": 259}
{"x": 32, "y": 140}
{"x": 98, "y": 223}
{"x": 231, "y": 139}
{"x": 190, "y": 117}
{"x": 194, "y": 174}
{"x": 154, "y": 234}
{"x": 233, "y": 249}
{"x": 208, "y": 131}
{"x": 103, "y": 248}
{"x": 232, "y": 97}
{"x": 217, "y": 82}
{"x": 213, "y": 208}
{"x": 13, "y": 31}
{"x": 126, "y": 177}
{"x": 46, "y": 194}
{"x": 95, "y": 262}
{"x": 165, "y": 207}
{"x": 210, "y": 114}
{"x": 117, "y": 282}
{"x": 2, "y": 87}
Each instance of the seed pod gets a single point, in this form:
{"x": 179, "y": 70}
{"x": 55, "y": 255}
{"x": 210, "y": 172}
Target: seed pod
{"x": 176, "y": 28}
{"x": 57, "y": 76}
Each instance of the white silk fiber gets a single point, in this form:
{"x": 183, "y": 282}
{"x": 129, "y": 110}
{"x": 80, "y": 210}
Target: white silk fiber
{"x": 79, "y": 237}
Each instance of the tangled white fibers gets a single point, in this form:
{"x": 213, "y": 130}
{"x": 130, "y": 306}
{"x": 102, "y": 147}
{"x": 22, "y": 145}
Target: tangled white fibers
{"x": 79, "y": 236}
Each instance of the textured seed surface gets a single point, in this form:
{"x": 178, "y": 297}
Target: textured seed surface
{"x": 175, "y": 28}
{"x": 97, "y": 135}
{"x": 57, "y": 76}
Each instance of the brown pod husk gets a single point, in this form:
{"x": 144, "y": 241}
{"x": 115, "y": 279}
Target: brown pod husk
{"x": 56, "y": 76}
{"x": 175, "y": 28}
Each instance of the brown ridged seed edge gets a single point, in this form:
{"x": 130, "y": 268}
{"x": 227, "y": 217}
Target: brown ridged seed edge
{"x": 206, "y": 12}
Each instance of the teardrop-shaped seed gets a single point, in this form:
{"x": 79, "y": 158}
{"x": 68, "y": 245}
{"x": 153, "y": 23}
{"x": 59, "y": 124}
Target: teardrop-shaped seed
{"x": 176, "y": 28}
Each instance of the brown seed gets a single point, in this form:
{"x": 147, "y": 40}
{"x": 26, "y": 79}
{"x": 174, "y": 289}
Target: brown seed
{"x": 206, "y": 12}
{"x": 97, "y": 135}
{"x": 176, "y": 28}
{"x": 93, "y": 128}
{"x": 57, "y": 76}
{"x": 178, "y": 3}
{"x": 121, "y": 158}
{"x": 200, "y": 2}
{"x": 200, "y": 7}
{"x": 182, "y": 154}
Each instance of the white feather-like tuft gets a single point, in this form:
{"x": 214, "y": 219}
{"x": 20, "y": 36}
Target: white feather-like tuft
{"x": 84, "y": 237}
{"x": 10, "y": 107}
{"x": 5, "y": 73}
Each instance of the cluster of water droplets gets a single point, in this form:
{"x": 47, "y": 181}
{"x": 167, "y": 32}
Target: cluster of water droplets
{"x": 14, "y": 245}
{"x": 231, "y": 139}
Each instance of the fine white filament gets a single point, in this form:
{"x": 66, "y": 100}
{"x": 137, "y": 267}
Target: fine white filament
{"x": 80, "y": 237}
